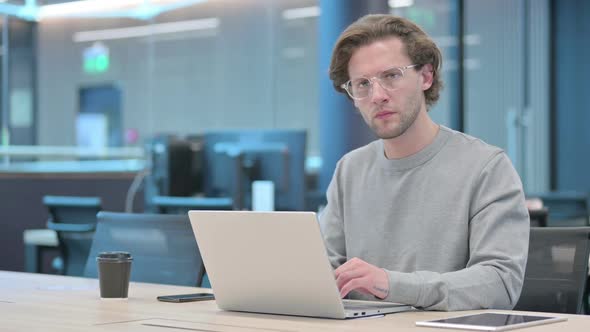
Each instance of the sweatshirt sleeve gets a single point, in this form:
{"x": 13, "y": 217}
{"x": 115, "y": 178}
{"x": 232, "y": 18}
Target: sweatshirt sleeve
{"x": 498, "y": 248}
{"x": 331, "y": 222}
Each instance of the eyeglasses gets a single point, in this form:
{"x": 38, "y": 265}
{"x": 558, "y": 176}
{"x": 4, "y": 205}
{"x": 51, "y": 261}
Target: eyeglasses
{"x": 362, "y": 87}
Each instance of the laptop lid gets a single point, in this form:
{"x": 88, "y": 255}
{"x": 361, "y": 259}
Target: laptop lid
{"x": 270, "y": 262}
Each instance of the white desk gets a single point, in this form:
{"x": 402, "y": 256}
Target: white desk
{"x": 38, "y": 302}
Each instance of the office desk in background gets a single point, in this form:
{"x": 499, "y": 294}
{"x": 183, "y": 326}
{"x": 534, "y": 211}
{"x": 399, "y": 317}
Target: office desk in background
{"x": 39, "y": 302}
{"x": 23, "y": 188}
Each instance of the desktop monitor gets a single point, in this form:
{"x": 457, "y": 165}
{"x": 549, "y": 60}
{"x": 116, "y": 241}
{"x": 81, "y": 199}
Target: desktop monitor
{"x": 174, "y": 166}
{"x": 236, "y": 158}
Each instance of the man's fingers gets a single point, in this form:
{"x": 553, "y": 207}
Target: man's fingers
{"x": 358, "y": 284}
{"x": 354, "y": 268}
{"x": 346, "y": 276}
{"x": 359, "y": 275}
{"x": 348, "y": 266}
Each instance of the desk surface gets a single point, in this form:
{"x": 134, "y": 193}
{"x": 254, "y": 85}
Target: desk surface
{"x": 38, "y": 302}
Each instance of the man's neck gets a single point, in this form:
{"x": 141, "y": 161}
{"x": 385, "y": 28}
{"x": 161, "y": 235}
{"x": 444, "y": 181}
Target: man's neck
{"x": 417, "y": 137}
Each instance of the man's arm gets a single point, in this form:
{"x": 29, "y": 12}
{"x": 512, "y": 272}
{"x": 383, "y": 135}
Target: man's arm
{"x": 332, "y": 224}
{"x": 354, "y": 274}
{"x": 498, "y": 245}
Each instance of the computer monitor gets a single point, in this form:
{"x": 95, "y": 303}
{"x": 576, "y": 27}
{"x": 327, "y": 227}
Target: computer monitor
{"x": 174, "y": 166}
{"x": 236, "y": 158}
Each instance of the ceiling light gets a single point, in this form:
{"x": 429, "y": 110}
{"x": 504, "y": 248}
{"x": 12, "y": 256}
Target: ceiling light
{"x": 101, "y": 8}
{"x": 84, "y": 7}
{"x": 303, "y": 12}
{"x": 146, "y": 30}
{"x": 400, "y": 3}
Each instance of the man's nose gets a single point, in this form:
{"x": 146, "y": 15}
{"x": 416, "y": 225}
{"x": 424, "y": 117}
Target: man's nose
{"x": 378, "y": 94}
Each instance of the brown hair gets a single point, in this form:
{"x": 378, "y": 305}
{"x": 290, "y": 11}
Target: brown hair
{"x": 370, "y": 28}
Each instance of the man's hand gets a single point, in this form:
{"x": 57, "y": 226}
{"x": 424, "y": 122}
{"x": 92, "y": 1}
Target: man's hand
{"x": 359, "y": 275}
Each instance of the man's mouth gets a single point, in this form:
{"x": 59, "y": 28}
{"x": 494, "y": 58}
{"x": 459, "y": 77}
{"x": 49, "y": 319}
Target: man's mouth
{"x": 384, "y": 114}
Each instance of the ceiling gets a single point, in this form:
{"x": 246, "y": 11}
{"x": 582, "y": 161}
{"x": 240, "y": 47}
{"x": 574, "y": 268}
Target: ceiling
{"x": 38, "y": 10}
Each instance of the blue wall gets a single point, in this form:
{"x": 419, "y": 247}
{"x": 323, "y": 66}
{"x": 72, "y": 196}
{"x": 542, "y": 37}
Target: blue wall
{"x": 572, "y": 95}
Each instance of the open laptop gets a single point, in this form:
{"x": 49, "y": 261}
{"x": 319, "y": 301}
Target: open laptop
{"x": 275, "y": 263}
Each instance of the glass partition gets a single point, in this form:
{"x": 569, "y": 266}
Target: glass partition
{"x": 115, "y": 81}
{"x": 99, "y": 74}
{"x": 114, "y": 77}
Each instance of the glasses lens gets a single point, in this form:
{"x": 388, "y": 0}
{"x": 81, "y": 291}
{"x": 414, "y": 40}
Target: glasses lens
{"x": 360, "y": 87}
{"x": 390, "y": 79}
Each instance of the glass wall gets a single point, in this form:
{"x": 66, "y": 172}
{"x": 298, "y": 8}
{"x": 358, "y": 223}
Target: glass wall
{"x": 440, "y": 19}
{"x": 219, "y": 64}
{"x": 18, "y": 83}
{"x": 507, "y": 82}
{"x": 227, "y": 64}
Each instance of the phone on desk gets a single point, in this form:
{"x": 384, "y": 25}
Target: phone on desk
{"x": 186, "y": 297}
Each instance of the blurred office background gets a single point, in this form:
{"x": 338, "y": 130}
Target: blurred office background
{"x": 129, "y": 101}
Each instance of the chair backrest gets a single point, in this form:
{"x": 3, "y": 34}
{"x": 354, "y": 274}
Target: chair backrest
{"x": 181, "y": 205}
{"x": 74, "y": 220}
{"x": 539, "y": 217}
{"x": 556, "y": 270}
{"x": 566, "y": 208}
{"x": 163, "y": 247}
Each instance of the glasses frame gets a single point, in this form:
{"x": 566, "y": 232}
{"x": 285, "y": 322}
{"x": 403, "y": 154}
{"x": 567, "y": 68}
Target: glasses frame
{"x": 346, "y": 86}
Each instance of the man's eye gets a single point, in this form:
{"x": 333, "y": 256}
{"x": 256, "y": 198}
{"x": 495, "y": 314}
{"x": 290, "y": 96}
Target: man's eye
{"x": 392, "y": 75}
{"x": 361, "y": 84}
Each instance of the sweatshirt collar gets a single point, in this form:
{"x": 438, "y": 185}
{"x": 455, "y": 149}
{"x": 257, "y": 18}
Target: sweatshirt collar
{"x": 417, "y": 158}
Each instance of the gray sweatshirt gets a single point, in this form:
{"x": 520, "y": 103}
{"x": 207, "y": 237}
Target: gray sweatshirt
{"x": 448, "y": 224}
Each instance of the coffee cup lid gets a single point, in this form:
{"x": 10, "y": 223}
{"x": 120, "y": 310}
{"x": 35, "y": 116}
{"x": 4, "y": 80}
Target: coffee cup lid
{"x": 114, "y": 256}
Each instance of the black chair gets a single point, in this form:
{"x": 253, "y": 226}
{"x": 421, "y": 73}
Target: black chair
{"x": 566, "y": 208}
{"x": 181, "y": 205}
{"x": 73, "y": 218}
{"x": 163, "y": 247}
{"x": 315, "y": 200}
{"x": 556, "y": 271}
{"x": 539, "y": 217}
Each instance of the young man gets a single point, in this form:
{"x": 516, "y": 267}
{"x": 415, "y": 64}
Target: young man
{"x": 425, "y": 215}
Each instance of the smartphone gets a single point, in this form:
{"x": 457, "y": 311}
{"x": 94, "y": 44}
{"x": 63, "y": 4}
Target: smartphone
{"x": 186, "y": 297}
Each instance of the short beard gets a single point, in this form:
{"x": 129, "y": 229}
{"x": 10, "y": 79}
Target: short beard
{"x": 406, "y": 121}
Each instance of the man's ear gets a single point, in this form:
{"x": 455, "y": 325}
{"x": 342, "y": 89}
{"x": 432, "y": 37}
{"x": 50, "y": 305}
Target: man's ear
{"x": 427, "y": 76}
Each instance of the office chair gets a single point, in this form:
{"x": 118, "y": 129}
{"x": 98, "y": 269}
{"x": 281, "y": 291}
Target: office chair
{"x": 181, "y": 205}
{"x": 556, "y": 270}
{"x": 163, "y": 247}
{"x": 538, "y": 217}
{"x": 566, "y": 208}
{"x": 73, "y": 219}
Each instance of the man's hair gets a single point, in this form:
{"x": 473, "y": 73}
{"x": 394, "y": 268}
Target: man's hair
{"x": 371, "y": 28}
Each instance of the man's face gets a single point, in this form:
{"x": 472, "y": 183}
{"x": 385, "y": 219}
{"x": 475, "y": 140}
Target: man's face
{"x": 389, "y": 113}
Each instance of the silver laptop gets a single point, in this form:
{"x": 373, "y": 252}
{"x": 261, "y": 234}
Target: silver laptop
{"x": 275, "y": 263}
